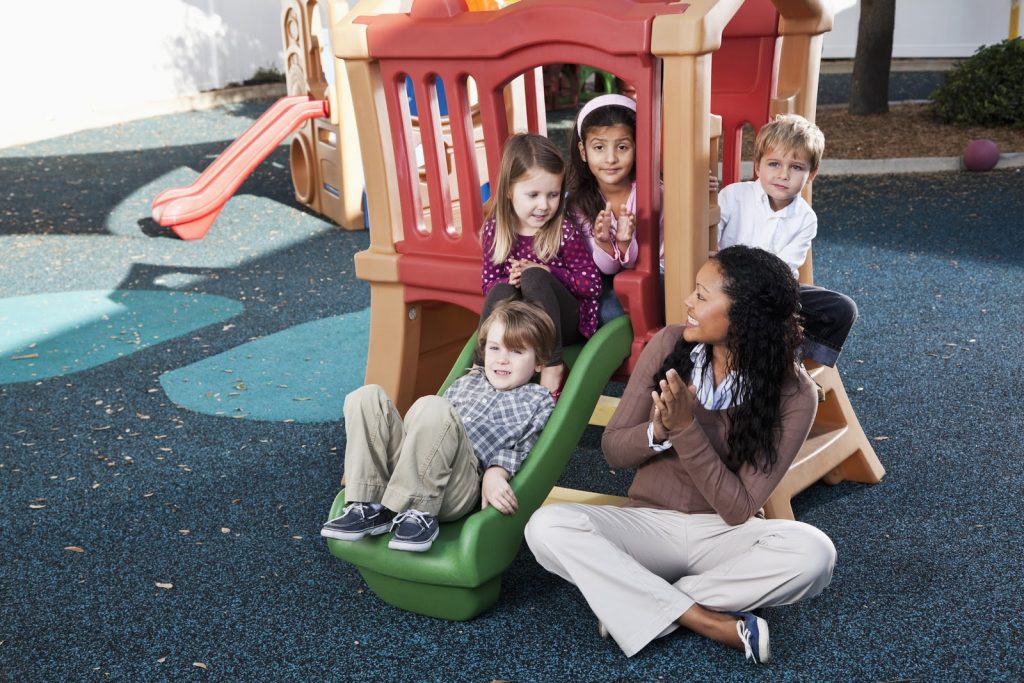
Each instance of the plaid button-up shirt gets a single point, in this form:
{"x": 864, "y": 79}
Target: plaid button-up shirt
{"x": 501, "y": 425}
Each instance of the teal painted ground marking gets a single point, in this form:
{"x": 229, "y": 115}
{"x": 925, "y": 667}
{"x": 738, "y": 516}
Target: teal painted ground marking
{"x": 301, "y": 374}
{"x": 55, "y": 334}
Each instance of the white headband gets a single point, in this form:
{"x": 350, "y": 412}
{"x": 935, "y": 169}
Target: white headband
{"x": 602, "y": 101}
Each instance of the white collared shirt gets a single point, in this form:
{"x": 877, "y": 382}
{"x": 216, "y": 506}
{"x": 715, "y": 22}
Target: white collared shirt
{"x": 747, "y": 218}
{"x": 708, "y": 395}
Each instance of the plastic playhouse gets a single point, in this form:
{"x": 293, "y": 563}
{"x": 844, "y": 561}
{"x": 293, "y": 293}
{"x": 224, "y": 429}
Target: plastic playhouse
{"x": 325, "y": 165}
{"x": 702, "y": 70}
{"x": 323, "y": 154}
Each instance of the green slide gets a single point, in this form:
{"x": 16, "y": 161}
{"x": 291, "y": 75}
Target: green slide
{"x": 460, "y": 576}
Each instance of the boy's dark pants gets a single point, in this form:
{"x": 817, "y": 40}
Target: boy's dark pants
{"x": 827, "y": 319}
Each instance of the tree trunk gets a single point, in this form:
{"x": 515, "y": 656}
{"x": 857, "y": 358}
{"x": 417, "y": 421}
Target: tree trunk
{"x": 869, "y": 87}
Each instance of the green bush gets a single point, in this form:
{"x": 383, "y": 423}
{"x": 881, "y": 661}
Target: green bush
{"x": 987, "y": 89}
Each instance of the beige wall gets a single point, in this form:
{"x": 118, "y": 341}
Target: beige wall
{"x": 68, "y": 64}
{"x": 929, "y": 28}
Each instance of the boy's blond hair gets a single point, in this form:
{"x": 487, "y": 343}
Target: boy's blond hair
{"x": 526, "y": 327}
{"x": 789, "y": 132}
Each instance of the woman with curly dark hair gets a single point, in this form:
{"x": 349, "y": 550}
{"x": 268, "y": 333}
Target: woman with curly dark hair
{"x": 712, "y": 417}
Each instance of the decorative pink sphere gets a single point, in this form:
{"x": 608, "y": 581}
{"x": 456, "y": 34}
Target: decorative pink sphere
{"x": 981, "y": 155}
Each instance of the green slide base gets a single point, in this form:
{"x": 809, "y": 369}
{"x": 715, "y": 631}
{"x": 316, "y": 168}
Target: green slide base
{"x": 453, "y": 603}
{"x": 460, "y": 576}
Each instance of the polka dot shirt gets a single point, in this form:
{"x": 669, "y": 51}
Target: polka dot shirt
{"x": 573, "y": 266}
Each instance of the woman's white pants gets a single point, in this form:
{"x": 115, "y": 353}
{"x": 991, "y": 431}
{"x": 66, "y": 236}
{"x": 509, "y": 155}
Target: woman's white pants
{"x": 640, "y": 569}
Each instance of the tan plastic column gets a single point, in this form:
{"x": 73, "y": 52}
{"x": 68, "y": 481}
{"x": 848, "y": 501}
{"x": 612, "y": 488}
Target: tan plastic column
{"x": 394, "y": 325}
{"x": 685, "y": 42}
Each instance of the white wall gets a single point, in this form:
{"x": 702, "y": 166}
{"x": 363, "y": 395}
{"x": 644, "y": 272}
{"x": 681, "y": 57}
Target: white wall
{"x": 72, "y": 64}
{"x": 66, "y": 65}
{"x": 928, "y": 28}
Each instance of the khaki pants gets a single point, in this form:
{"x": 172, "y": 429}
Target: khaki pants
{"x": 425, "y": 463}
{"x": 640, "y": 569}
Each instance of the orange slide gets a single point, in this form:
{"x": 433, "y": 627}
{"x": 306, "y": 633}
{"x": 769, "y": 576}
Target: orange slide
{"x": 190, "y": 211}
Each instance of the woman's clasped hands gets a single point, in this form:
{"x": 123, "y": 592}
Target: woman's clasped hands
{"x": 673, "y": 405}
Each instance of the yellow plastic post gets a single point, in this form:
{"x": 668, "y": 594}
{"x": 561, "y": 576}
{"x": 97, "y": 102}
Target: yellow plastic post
{"x": 685, "y": 42}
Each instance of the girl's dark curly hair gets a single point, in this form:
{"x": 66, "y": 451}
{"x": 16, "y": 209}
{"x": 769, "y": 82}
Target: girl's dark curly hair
{"x": 584, "y": 195}
{"x": 764, "y": 333}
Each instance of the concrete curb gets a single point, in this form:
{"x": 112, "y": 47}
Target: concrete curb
{"x": 840, "y": 167}
{"x": 845, "y": 66}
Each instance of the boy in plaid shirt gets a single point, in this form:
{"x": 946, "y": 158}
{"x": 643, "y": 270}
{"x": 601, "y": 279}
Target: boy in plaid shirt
{"x": 450, "y": 452}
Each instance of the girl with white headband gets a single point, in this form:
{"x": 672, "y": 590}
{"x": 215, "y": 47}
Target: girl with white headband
{"x": 602, "y": 187}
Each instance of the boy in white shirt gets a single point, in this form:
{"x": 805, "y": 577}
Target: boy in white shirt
{"x": 770, "y": 213}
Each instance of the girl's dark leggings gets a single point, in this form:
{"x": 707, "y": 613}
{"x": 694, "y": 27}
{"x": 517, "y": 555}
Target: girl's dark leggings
{"x": 540, "y": 287}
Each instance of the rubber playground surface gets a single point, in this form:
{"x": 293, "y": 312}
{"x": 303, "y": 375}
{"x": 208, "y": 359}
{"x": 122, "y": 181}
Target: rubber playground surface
{"x": 170, "y": 441}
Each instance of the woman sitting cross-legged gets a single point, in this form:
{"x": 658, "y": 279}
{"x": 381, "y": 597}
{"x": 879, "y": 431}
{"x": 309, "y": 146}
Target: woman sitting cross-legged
{"x": 712, "y": 417}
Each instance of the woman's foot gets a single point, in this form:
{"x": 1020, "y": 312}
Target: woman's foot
{"x": 753, "y": 633}
{"x": 741, "y": 630}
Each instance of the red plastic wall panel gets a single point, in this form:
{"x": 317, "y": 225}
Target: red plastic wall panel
{"x": 620, "y": 26}
{"x": 743, "y": 75}
{"x": 439, "y": 261}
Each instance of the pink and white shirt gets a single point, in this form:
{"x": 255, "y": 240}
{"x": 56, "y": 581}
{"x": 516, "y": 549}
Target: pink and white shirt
{"x": 622, "y": 260}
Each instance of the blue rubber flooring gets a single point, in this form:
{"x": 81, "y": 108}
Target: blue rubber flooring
{"x": 834, "y": 88}
{"x": 146, "y": 537}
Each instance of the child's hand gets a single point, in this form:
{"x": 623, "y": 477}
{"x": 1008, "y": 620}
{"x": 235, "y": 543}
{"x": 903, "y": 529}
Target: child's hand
{"x": 515, "y": 272}
{"x": 602, "y": 227}
{"x": 495, "y": 491}
{"x": 602, "y": 230}
{"x": 673, "y": 405}
{"x": 625, "y": 228}
{"x": 526, "y": 265}
{"x": 712, "y": 182}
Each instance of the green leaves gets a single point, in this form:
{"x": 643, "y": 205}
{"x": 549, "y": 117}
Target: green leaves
{"x": 986, "y": 89}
